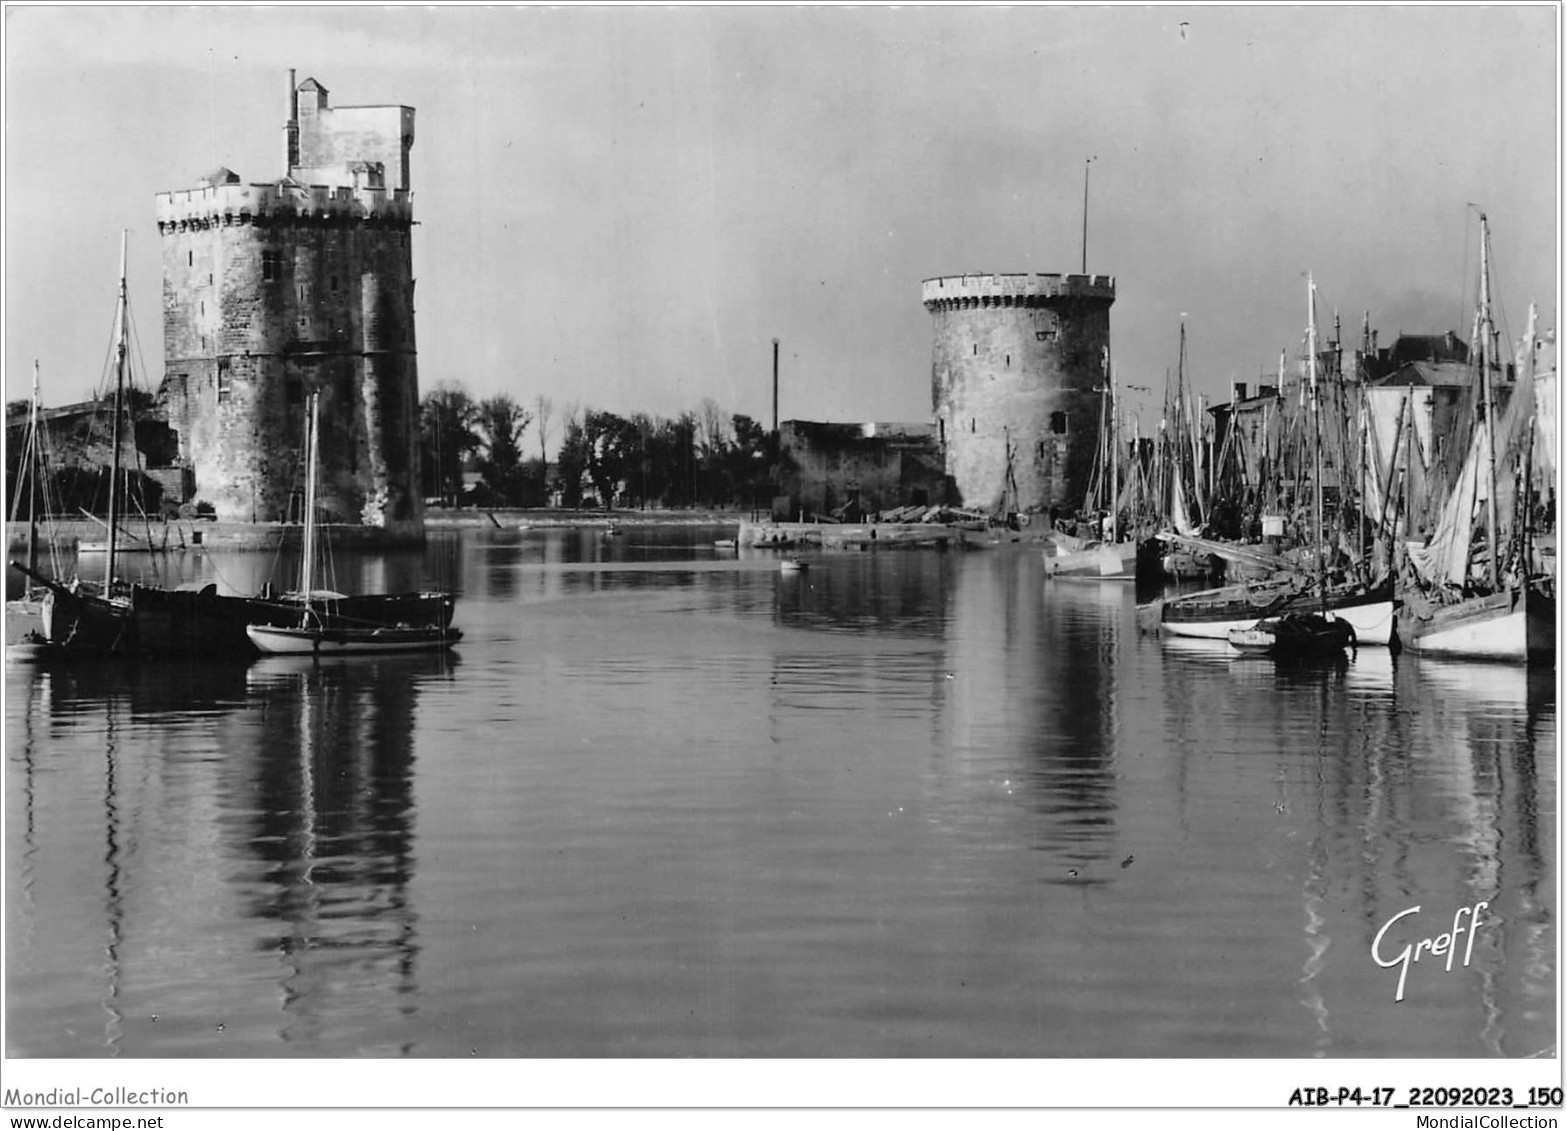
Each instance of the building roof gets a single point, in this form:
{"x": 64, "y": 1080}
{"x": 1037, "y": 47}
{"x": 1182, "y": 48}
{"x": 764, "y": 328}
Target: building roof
{"x": 1428, "y": 347}
{"x": 1429, "y": 374}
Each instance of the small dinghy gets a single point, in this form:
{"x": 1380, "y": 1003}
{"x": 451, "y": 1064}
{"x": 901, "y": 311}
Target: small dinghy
{"x": 792, "y": 565}
{"x": 1294, "y": 634}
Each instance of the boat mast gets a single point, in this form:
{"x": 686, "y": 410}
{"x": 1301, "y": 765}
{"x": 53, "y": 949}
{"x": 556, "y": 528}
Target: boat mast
{"x": 119, "y": 390}
{"x": 1115, "y": 453}
{"x": 1316, "y": 431}
{"x": 309, "y": 549}
{"x": 33, "y": 467}
{"x": 1486, "y": 406}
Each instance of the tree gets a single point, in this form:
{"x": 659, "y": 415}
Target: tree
{"x": 446, "y": 419}
{"x": 542, "y": 406}
{"x": 712, "y": 446}
{"x": 613, "y": 451}
{"x": 502, "y": 422}
{"x": 748, "y": 461}
{"x": 572, "y": 460}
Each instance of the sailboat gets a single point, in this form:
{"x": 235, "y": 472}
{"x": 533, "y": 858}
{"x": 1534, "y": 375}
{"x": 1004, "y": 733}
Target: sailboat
{"x": 1181, "y": 493}
{"x": 1214, "y": 613}
{"x": 320, "y": 627}
{"x": 1500, "y": 610}
{"x": 1296, "y": 633}
{"x": 24, "y": 624}
{"x": 79, "y": 618}
{"x": 1110, "y": 558}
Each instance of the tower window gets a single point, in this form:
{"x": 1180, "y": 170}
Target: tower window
{"x": 334, "y": 284}
{"x": 1058, "y": 423}
{"x": 971, "y": 424}
{"x": 976, "y": 349}
{"x": 190, "y": 259}
{"x": 271, "y": 266}
{"x": 1009, "y": 361}
{"x": 225, "y": 381}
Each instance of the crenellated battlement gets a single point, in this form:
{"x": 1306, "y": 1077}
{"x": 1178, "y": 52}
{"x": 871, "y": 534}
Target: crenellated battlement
{"x": 280, "y": 202}
{"x": 956, "y": 291}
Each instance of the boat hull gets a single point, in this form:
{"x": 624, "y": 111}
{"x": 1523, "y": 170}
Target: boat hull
{"x": 1294, "y": 636}
{"x": 1102, "y": 562}
{"x": 87, "y": 624}
{"x": 1213, "y": 615}
{"x": 275, "y": 640}
{"x": 189, "y": 623}
{"x": 1517, "y": 625}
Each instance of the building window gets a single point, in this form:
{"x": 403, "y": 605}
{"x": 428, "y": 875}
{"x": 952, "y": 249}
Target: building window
{"x": 271, "y": 266}
{"x": 190, "y": 259}
{"x": 334, "y": 284}
{"x": 1044, "y": 335}
{"x": 296, "y": 391}
{"x": 976, "y": 349}
{"x": 1009, "y": 361}
{"x": 225, "y": 381}
{"x": 1058, "y": 423}
{"x": 1041, "y": 450}
{"x": 971, "y": 424}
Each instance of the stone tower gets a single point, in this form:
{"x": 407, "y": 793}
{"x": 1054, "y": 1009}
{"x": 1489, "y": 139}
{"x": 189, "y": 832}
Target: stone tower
{"x": 305, "y": 282}
{"x": 1016, "y": 370}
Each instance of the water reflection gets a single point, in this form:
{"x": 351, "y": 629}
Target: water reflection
{"x": 1409, "y": 783}
{"x": 331, "y": 825}
{"x": 288, "y": 785}
{"x": 1076, "y": 735}
{"x": 666, "y": 801}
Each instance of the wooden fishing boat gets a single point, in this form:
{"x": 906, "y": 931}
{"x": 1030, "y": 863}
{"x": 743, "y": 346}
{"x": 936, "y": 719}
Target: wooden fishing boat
{"x": 197, "y": 620}
{"x": 315, "y": 621}
{"x": 24, "y": 620}
{"x": 1368, "y": 608}
{"x": 317, "y": 637}
{"x": 1213, "y": 614}
{"x": 1294, "y": 635}
{"x": 1485, "y": 604}
{"x": 79, "y": 618}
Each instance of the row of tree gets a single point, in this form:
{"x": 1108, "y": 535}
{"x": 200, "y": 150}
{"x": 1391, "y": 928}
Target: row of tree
{"x": 700, "y": 458}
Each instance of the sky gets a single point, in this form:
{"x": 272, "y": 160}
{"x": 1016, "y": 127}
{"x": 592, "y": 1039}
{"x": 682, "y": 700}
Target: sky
{"x": 621, "y": 208}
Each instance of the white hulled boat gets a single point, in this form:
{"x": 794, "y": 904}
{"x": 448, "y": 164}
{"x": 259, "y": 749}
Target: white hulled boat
{"x": 319, "y": 630}
{"x": 1487, "y": 603}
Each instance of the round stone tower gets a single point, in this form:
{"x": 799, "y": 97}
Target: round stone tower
{"x": 304, "y": 283}
{"x": 1018, "y": 363}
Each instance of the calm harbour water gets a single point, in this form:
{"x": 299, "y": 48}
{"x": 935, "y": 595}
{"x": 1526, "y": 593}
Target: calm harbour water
{"x": 665, "y": 800}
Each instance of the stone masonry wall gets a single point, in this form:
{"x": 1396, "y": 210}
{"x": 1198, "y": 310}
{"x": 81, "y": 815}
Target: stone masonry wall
{"x": 255, "y": 314}
{"x": 831, "y": 463}
{"x": 1016, "y": 363}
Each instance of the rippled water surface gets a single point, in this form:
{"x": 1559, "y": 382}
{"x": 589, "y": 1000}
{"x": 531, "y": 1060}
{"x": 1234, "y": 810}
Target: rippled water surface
{"x": 669, "y": 801}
